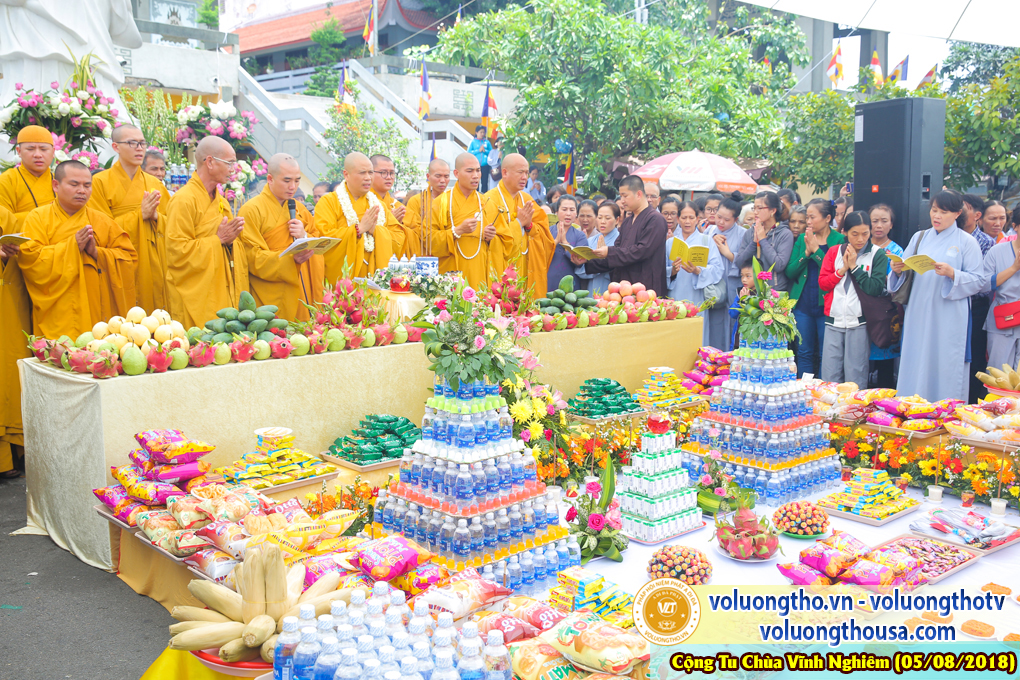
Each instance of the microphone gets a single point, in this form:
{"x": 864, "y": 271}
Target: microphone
{"x": 292, "y": 207}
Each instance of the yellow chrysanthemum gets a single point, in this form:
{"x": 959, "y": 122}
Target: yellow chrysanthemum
{"x": 906, "y": 476}
{"x": 521, "y": 412}
{"x": 1015, "y": 491}
{"x": 865, "y": 448}
{"x": 982, "y": 466}
{"x": 536, "y": 430}
{"x": 538, "y": 406}
{"x": 903, "y": 460}
{"x": 884, "y": 458}
{"x": 508, "y": 383}
{"x": 860, "y": 434}
{"x": 519, "y": 383}
{"x": 563, "y": 418}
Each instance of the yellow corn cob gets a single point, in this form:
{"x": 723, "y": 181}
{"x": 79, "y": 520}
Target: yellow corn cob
{"x": 996, "y": 373}
{"x": 295, "y": 582}
{"x": 187, "y": 625}
{"x": 186, "y": 613}
{"x": 275, "y": 574}
{"x": 258, "y": 630}
{"x": 205, "y": 637}
{"x": 987, "y": 379}
{"x": 326, "y": 584}
{"x": 236, "y": 650}
{"x": 268, "y": 649}
{"x": 253, "y": 593}
{"x": 217, "y": 597}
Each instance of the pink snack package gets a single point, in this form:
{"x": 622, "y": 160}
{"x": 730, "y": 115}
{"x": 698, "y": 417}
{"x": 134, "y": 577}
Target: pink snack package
{"x": 421, "y": 579}
{"x": 129, "y": 513}
{"x": 868, "y": 573}
{"x": 890, "y": 405}
{"x": 803, "y": 575}
{"x": 171, "y": 446}
{"x": 320, "y": 565}
{"x": 356, "y": 581}
{"x": 463, "y": 598}
{"x": 390, "y": 557}
{"x": 157, "y": 440}
{"x": 538, "y": 614}
{"x": 710, "y": 354}
{"x": 829, "y": 561}
{"x": 921, "y": 424}
{"x": 513, "y": 628}
{"x": 707, "y": 392}
{"x": 884, "y": 419}
{"x": 691, "y": 386}
{"x": 918, "y": 411}
{"x": 127, "y": 474}
{"x": 141, "y": 460}
{"x": 153, "y": 493}
{"x": 175, "y": 474}
{"x": 226, "y": 536}
{"x": 698, "y": 377}
{"x": 718, "y": 380}
{"x": 112, "y": 496}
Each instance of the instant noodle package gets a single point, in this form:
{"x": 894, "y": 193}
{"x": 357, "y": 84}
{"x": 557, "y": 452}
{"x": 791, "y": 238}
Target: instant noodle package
{"x": 595, "y": 645}
{"x": 536, "y": 659}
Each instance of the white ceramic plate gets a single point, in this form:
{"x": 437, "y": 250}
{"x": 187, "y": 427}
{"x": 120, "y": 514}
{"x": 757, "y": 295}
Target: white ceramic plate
{"x": 753, "y": 560}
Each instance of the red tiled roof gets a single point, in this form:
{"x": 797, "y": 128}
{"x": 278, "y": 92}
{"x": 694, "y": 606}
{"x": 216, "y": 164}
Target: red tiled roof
{"x": 297, "y": 28}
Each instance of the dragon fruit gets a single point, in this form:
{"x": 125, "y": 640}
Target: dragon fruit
{"x": 744, "y": 519}
{"x": 317, "y": 342}
{"x": 78, "y": 360}
{"x": 201, "y": 354}
{"x": 383, "y": 334}
{"x": 748, "y": 536}
{"x": 40, "y": 347}
{"x": 159, "y": 360}
{"x": 414, "y": 334}
{"x": 354, "y": 338}
{"x": 105, "y": 365}
{"x": 242, "y": 349}
{"x": 281, "y": 348}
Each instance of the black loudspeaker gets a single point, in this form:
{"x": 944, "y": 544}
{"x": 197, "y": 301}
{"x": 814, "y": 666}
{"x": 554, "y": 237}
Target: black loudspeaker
{"x": 898, "y": 159}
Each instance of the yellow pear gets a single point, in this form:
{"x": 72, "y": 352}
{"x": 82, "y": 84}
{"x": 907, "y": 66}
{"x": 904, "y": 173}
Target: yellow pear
{"x": 135, "y": 315}
{"x": 95, "y": 345}
{"x": 177, "y": 329}
{"x": 152, "y": 323}
{"x": 161, "y": 315}
{"x": 148, "y": 346}
{"x": 162, "y": 333}
{"x": 139, "y": 334}
{"x": 117, "y": 340}
{"x": 181, "y": 342}
{"x": 114, "y": 324}
{"x": 100, "y": 330}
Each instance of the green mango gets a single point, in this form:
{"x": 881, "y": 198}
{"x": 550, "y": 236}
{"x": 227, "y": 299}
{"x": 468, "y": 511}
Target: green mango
{"x": 542, "y": 303}
{"x": 217, "y": 325}
{"x": 222, "y": 337}
{"x": 558, "y": 302}
{"x": 551, "y": 310}
{"x": 267, "y": 336}
{"x": 207, "y": 337}
{"x": 258, "y": 325}
{"x": 265, "y": 315}
{"x": 568, "y": 308}
{"x": 278, "y": 323}
{"x": 246, "y": 302}
{"x": 570, "y": 298}
{"x": 234, "y": 327}
{"x": 581, "y": 294}
{"x": 269, "y": 309}
{"x": 228, "y": 313}
{"x": 556, "y": 294}
{"x": 567, "y": 284}
{"x": 247, "y": 334}
{"x": 246, "y": 316}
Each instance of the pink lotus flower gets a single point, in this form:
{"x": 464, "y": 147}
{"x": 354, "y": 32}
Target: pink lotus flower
{"x": 593, "y": 488}
{"x": 19, "y": 86}
{"x": 571, "y": 511}
{"x": 469, "y": 294}
{"x": 714, "y": 455}
{"x": 501, "y": 323}
{"x": 706, "y": 479}
{"x": 443, "y": 317}
{"x": 114, "y": 112}
{"x": 54, "y": 85}
{"x": 596, "y": 522}
{"x": 764, "y": 276}
{"x": 76, "y": 121}
{"x": 479, "y": 342}
{"x": 719, "y": 491}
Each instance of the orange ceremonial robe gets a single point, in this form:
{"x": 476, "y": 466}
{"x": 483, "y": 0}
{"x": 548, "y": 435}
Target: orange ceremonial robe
{"x": 531, "y": 252}
{"x": 276, "y": 280}
{"x": 469, "y": 254}
{"x": 330, "y": 221}
{"x": 422, "y": 225}
{"x": 202, "y": 275}
{"x": 121, "y": 198}
{"x": 21, "y": 192}
{"x": 405, "y": 241}
{"x": 70, "y": 290}
{"x": 15, "y": 317}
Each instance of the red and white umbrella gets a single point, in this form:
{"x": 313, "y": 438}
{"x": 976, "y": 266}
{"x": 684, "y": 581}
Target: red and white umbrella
{"x": 697, "y": 171}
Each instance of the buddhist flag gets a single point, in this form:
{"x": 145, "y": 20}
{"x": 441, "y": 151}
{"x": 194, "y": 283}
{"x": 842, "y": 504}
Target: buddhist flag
{"x": 344, "y": 99}
{"x": 370, "y": 27}
{"x": 457, "y": 20}
{"x": 426, "y": 94}
{"x": 899, "y": 74}
{"x": 876, "y": 68}
{"x": 767, "y": 63}
{"x": 488, "y": 113}
{"x": 432, "y": 155}
{"x": 929, "y": 77}
{"x": 835, "y": 70}
{"x": 570, "y": 175}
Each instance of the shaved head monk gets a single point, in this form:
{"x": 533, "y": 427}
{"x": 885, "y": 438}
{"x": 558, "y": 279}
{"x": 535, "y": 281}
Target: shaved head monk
{"x": 384, "y": 174}
{"x": 205, "y": 260}
{"x": 22, "y": 189}
{"x": 512, "y": 211}
{"x": 420, "y": 206}
{"x": 463, "y": 236}
{"x": 138, "y": 202}
{"x": 273, "y": 220}
{"x": 79, "y": 266}
{"x": 356, "y": 216}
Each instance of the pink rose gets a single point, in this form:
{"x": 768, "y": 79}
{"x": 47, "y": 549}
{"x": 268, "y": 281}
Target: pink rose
{"x": 19, "y": 86}
{"x": 526, "y": 435}
{"x": 441, "y": 303}
{"x": 479, "y": 342}
{"x": 596, "y": 522}
{"x": 548, "y": 434}
{"x": 761, "y": 303}
{"x": 550, "y": 409}
{"x": 706, "y": 479}
{"x": 469, "y": 294}
{"x": 114, "y": 112}
{"x": 614, "y": 519}
{"x": 767, "y": 322}
{"x": 719, "y": 491}
{"x": 775, "y": 293}
{"x": 713, "y": 432}
{"x": 593, "y": 488}
{"x": 443, "y": 317}
{"x": 714, "y": 455}
{"x": 571, "y": 511}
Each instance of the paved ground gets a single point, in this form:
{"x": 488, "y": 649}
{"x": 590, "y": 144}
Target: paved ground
{"x": 60, "y": 618}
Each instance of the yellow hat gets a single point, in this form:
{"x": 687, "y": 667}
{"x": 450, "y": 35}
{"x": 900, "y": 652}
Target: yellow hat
{"x": 36, "y": 134}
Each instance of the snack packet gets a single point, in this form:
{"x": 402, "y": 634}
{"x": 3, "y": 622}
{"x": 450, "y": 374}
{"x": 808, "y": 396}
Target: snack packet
{"x": 802, "y": 575}
{"x": 127, "y": 474}
{"x": 175, "y": 474}
{"x": 227, "y": 536}
{"x": 595, "y": 645}
{"x": 140, "y": 459}
{"x": 171, "y": 446}
{"x": 847, "y": 544}
{"x": 181, "y": 543}
{"x": 513, "y": 628}
{"x": 153, "y": 493}
{"x": 884, "y": 419}
{"x": 188, "y": 512}
{"x": 921, "y": 425}
{"x": 867, "y": 573}
{"x": 537, "y": 660}
{"x": 129, "y": 513}
{"x": 422, "y": 578}
{"x": 113, "y": 496}
{"x": 390, "y": 557}
{"x": 463, "y": 598}
{"x": 214, "y": 563}
{"x": 318, "y": 566}
{"x": 230, "y": 507}
{"x": 155, "y": 523}
{"x": 825, "y": 559}
{"x": 538, "y": 614}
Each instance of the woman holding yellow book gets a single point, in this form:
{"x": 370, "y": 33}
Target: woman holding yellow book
{"x": 694, "y": 263}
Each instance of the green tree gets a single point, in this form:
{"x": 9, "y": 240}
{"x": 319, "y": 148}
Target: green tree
{"x": 209, "y": 14}
{"x": 328, "y": 50}
{"x": 358, "y": 130}
{"x": 817, "y": 146}
{"x": 612, "y": 87}
{"x": 975, "y": 63}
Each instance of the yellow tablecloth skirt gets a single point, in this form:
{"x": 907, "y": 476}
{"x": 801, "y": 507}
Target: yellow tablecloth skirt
{"x": 176, "y": 665}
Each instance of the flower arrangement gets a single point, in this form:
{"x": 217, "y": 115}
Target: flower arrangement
{"x": 766, "y": 311}
{"x": 718, "y": 493}
{"x": 359, "y": 495}
{"x": 77, "y": 113}
{"x": 260, "y": 167}
{"x": 242, "y": 176}
{"x": 428, "y": 288}
{"x": 467, "y": 342}
{"x": 594, "y": 517}
{"x": 88, "y": 158}
{"x": 219, "y": 119}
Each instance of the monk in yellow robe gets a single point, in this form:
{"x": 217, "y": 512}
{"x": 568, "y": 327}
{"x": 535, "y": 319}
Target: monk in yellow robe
{"x": 384, "y": 174}
{"x": 22, "y": 190}
{"x": 206, "y": 267}
{"x": 356, "y": 216}
{"x": 79, "y": 267}
{"x": 287, "y": 280}
{"x": 463, "y": 237}
{"x": 137, "y": 201}
{"x": 515, "y": 213}
{"x": 421, "y": 206}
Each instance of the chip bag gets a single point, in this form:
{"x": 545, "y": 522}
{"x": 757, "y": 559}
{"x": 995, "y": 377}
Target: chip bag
{"x": 422, "y": 578}
{"x": 214, "y": 563}
{"x": 884, "y": 419}
{"x": 171, "y": 446}
{"x": 155, "y": 523}
{"x": 181, "y": 543}
{"x": 175, "y": 474}
{"x": 847, "y": 544}
{"x": 318, "y": 566}
{"x": 230, "y": 507}
{"x": 227, "y": 536}
{"x": 867, "y": 573}
{"x": 127, "y": 474}
{"x": 538, "y": 614}
{"x": 390, "y": 557}
{"x": 825, "y": 559}
{"x": 188, "y": 512}
{"x": 595, "y": 645}
{"x": 463, "y": 598}
{"x": 802, "y": 575}
{"x": 113, "y": 496}
{"x": 537, "y": 660}
{"x": 513, "y": 628}
{"x": 129, "y": 513}
{"x": 153, "y": 493}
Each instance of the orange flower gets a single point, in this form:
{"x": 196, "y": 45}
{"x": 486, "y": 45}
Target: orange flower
{"x": 1007, "y": 476}
{"x": 979, "y": 485}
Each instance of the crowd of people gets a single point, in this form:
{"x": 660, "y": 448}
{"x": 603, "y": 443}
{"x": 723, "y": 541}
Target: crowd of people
{"x": 97, "y": 244}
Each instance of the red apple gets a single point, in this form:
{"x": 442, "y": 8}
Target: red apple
{"x": 626, "y": 288}
{"x": 614, "y": 287}
{"x": 638, "y": 287}
{"x": 642, "y": 295}
{"x": 629, "y": 298}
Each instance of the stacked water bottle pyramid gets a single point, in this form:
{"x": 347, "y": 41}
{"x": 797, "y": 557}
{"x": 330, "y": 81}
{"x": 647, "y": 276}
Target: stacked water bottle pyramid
{"x": 468, "y": 490}
{"x": 761, "y": 421}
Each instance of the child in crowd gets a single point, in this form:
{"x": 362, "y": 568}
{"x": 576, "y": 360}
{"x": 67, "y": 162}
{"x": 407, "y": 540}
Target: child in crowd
{"x": 747, "y": 281}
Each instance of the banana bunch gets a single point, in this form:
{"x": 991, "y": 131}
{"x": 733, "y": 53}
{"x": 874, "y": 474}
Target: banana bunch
{"x": 1005, "y": 379}
{"x": 244, "y": 624}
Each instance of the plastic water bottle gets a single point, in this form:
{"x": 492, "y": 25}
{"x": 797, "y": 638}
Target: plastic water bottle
{"x": 328, "y": 661}
{"x": 398, "y": 603}
{"x": 409, "y": 669}
{"x": 477, "y": 537}
{"x": 469, "y": 637}
{"x": 503, "y": 531}
{"x": 574, "y": 551}
{"x": 761, "y": 486}
{"x": 530, "y": 468}
{"x": 491, "y": 480}
{"x": 349, "y": 668}
{"x": 444, "y": 622}
{"x": 773, "y": 453}
{"x": 479, "y": 483}
{"x": 773, "y": 492}
{"x": 375, "y": 615}
{"x": 444, "y": 666}
{"x": 422, "y": 616}
{"x": 517, "y": 471}
{"x": 491, "y": 536}
{"x": 371, "y": 670}
{"x": 424, "y": 657}
{"x": 388, "y": 660}
{"x": 446, "y": 536}
{"x": 462, "y": 542}
{"x": 366, "y": 649}
{"x": 283, "y": 654}
{"x": 513, "y": 573}
{"x": 306, "y": 617}
{"x": 381, "y": 596}
{"x": 516, "y": 522}
{"x": 416, "y": 633}
{"x": 496, "y": 656}
{"x": 392, "y": 675}
{"x": 435, "y": 528}
{"x": 527, "y": 574}
{"x": 471, "y": 665}
{"x": 541, "y": 569}
{"x": 338, "y": 610}
{"x": 305, "y": 654}
{"x": 345, "y": 638}
{"x": 552, "y": 510}
{"x": 394, "y": 623}
{"x": 450, "y": 482}
{"x": 401, "y": 642}
{"x": 505, "y": 475}
{"x": 563, "y": 554}
{"x": 421, "y": 530}
{"x": 442, "y": 640}
{"x": 465, "y": 432}
{"x": 324, "y": 628}
{"x": 506, "y": 422}
{"x": 499, "y": 573}
{"x": 410, "y": 520}
{"x": 528, "y": 514}
{"x": 387, "y": 511}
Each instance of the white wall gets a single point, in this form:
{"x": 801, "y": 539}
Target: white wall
{"x": 449, "y": 98}
{"x": 183, "y": 68}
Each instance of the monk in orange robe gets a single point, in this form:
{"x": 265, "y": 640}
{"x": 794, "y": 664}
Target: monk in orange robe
{"x": 137, "y": 201}
{"x": 275, "y": 279}
{"x": 206, "y": 267}
{"x": 22, "y": 189}
{"x": 384, "y": 174}
{"x": 421, "y": 206}
{"x": 356, "y": 216}
{"x": 515, "y": 213}
{"x": 463, "y": 237}
{"x": 79, "y": 267}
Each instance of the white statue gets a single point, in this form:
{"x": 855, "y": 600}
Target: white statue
{"x": 35, "y": 36}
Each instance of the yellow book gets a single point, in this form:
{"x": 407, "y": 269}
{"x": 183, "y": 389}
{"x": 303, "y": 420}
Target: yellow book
{"x": 917, "y": 263}
{"x": 583, "y": 252}
{"x": 695, "y": 255}
{"x": 13, "y": 239}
